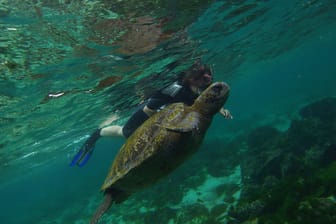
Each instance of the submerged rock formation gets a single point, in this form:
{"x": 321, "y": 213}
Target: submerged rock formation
{"x": 290, "y": 177}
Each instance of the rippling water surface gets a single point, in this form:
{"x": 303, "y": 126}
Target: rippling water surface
{"x": 66, "y": 66}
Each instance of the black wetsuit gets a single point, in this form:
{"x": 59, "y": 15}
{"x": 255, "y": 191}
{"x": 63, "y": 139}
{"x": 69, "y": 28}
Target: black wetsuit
{"x": 170, "y": 94}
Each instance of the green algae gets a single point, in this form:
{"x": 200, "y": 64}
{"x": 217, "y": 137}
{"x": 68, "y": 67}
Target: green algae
{"x": 290, "y": 177}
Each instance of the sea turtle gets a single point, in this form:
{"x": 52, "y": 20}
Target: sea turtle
{"x": 159, "y": 145}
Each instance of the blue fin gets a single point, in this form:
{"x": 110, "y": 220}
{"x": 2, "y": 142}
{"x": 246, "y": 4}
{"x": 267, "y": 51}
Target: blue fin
{"x": 81, "y": 158}
{"x": 77, "y": 157}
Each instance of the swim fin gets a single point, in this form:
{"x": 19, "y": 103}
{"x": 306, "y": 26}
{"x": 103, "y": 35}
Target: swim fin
{"x": 81, "y": 158}
{"x": 84, "y": 154}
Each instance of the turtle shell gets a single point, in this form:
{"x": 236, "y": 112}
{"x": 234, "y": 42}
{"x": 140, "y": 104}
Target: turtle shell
{"x": 153, "y": 150}
{"x": 162, "y": 143}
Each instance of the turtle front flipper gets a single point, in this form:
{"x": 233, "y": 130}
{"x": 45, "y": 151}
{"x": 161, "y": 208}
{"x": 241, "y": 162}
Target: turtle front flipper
{"x": 188, "y": 124}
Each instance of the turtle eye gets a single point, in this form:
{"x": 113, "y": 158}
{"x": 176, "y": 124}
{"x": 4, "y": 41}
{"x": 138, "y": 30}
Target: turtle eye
{"x": 217, "y": 88}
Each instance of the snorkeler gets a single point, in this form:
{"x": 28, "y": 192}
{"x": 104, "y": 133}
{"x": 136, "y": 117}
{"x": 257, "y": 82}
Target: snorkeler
{"x": 186, "y": 89}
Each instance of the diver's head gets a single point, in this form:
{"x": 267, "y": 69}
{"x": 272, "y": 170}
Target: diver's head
{"x": 198, "y": 76}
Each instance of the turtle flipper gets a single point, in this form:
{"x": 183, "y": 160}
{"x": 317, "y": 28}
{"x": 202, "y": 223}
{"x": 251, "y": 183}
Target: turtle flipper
{"x": 111, "y": 196}
{"x": 189, "y": 123}
{"x": 102, "y": 209}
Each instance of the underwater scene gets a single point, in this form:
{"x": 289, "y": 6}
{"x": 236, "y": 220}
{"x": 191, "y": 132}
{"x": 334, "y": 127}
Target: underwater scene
{"x": 68, "y": 67}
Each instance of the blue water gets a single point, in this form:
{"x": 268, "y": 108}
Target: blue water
{"x": 277, "y": 56}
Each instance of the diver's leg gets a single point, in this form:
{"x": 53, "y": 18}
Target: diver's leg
{"x": 112, "y": 131}
{"x": 134, "y": 122}
{"x": 108, "y": 121}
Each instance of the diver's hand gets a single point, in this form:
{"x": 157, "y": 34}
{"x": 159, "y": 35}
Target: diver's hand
{"x": 225, "y": 113}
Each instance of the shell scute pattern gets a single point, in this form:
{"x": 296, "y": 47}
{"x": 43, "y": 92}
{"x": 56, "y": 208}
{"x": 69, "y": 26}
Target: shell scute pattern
{"x": 168, "y": 137}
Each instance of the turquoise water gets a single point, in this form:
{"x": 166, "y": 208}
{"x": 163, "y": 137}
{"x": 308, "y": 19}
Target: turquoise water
{"x": 66, "y": 66}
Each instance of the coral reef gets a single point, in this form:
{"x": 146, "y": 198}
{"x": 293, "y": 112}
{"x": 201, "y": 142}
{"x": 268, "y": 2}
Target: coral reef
{"x": 289, "y": 177}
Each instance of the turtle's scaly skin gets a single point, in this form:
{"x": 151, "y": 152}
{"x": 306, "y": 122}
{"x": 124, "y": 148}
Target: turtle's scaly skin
{"x": 160, "y": 144}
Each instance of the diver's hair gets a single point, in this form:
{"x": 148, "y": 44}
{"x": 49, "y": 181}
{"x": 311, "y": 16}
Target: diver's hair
{"x": 195, "y": 72}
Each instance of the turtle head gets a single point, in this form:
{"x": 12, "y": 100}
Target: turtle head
{"x": 212, "y": 98}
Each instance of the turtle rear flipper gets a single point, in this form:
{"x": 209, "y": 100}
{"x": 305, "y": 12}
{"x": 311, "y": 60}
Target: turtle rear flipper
{"x": 102, "y": 209}
{"x": 111, "y": 196}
